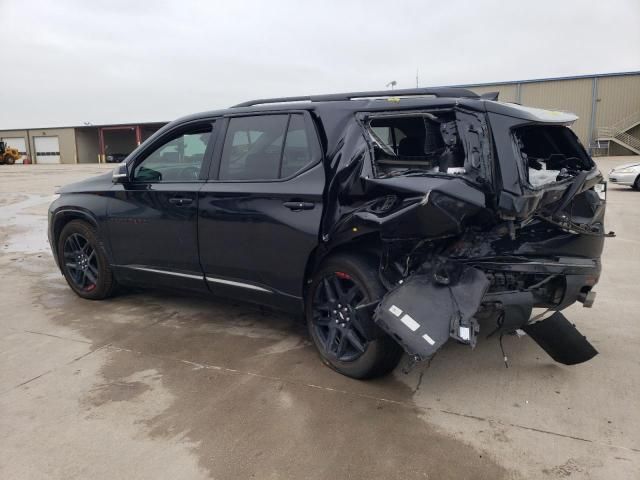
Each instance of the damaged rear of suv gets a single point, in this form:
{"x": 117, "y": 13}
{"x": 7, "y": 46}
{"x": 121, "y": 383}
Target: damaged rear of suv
{"x": 396, "y": 220}
{"x": 476, "y": 211}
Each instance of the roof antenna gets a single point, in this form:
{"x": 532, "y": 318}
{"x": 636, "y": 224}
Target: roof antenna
{"x": 392, "y": 84}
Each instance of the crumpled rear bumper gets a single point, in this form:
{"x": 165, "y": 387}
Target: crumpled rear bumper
{"x": 431, "y": 306}
{"x": 563, "y": 282}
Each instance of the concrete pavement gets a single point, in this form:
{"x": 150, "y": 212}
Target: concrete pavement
{"x": 155, "y": 385}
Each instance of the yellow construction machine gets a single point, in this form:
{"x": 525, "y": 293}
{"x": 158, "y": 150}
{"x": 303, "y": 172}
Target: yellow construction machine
{"x": 8, "y": 155}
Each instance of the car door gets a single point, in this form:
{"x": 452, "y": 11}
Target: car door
{"x": 259, "y": 215}
{"x": 153, "y": 213}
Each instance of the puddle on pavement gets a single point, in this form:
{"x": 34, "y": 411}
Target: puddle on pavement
{"x": 24, "y": 227}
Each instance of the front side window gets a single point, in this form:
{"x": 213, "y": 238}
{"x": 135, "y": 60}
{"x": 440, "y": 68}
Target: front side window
{"x": 265, "y": 147}
{"x": 178, "y": 160}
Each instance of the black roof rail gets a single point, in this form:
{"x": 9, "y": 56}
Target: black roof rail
{"x": 453, "y": 92}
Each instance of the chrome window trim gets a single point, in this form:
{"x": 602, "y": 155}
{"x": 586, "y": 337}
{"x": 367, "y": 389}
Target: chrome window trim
{"x": 166, "y": 272}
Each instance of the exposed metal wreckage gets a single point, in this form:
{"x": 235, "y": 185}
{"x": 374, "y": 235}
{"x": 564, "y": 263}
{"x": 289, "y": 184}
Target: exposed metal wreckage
{"x": 500, "y": 216}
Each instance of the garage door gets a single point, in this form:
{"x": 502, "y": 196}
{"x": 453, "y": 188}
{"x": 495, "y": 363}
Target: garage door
{"x": 16, "y": 142}
{"x": 47, "y": 149}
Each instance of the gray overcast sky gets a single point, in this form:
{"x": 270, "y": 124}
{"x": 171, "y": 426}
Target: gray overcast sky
{"x": 67, "y": 62}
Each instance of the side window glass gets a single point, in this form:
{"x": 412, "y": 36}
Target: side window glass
{"x": 178, "y": 160}
{"x": 297, "y": 153}
{"x": 253, "y": 148}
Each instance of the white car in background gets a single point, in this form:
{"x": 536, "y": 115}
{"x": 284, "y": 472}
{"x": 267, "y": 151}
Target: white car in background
{"x": 627, "y": 174}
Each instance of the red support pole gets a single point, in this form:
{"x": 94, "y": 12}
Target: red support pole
{"x": 138, "y": 135}
{"x": 101, "y": 155}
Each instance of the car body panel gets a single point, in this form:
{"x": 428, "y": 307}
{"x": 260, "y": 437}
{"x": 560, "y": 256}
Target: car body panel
{"x": 248, "y": 235}
{"x": 625, "y": 174}
{"x": 627, "y": 179}
{"x": 150, "y": 233}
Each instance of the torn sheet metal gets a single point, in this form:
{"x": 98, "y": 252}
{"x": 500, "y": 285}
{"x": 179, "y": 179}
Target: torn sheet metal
{"x": 523, "y": 246}
{"x": 429, "y": 308}
{"x": 561, "y": 340}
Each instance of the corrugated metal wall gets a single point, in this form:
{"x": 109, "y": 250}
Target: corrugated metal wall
{"x": 618, "y": 97}
{"x": 566, "y": 95}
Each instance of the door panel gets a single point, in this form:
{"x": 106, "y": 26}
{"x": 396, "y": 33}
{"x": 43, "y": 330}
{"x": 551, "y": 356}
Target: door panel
{"x": 247, "y": 234}
{"x": 154, "y": 226}
{"x": 153, "y": 215}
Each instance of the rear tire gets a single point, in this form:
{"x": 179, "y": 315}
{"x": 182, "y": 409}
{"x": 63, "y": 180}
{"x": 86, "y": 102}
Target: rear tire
{"x": 335, "y": 328}
{"x": 83, "y": 261}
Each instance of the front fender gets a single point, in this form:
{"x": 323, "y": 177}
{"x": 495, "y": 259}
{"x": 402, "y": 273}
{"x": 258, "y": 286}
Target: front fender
{"x": 62, "y": 212}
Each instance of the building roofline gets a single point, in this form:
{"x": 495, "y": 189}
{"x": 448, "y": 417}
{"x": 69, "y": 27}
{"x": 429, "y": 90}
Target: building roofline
{"x": 547, "y": 79}
{"x": 101, "y": 125}
{"x": 107, "y": 125}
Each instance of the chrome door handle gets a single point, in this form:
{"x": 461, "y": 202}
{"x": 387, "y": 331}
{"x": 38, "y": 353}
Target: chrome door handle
{"x": 181, "y": 201}
{"x": 297, "y": 206}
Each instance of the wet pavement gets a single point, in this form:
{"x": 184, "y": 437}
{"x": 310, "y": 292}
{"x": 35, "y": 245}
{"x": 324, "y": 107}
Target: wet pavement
{"x": 158, "y": 385}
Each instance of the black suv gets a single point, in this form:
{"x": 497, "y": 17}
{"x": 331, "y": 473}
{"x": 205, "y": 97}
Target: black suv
{"x": 394, "y": 220}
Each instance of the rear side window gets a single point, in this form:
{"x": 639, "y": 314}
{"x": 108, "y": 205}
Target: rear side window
{"x": 551, "y": 153}
{"x": 416, "y": 143}
{"x": 265, "y": 147}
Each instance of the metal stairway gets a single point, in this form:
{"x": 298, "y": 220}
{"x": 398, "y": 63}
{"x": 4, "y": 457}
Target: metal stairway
{"x": 618, "y": 133}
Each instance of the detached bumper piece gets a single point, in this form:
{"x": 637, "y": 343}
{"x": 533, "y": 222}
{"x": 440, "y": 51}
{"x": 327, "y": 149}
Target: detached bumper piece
{"x": 561, "y": 340}
{"x": 432, "y": 306}
{"x": 429, "y": 308}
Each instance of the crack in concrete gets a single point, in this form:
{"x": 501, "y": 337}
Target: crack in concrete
{"x": 10, "y": 389}
{"x": 57, "y": 336}
{"x": 109, "y": 345}
{"x": 423, "y": 409}
{"x": 99, "y": 347}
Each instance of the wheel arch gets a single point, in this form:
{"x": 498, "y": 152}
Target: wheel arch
{"x": 63, "y": 217}
{"x": 369, "y": 244}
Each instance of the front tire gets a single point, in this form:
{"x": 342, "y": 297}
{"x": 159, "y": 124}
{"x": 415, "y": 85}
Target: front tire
{"x": 346, "y": 338}
{"x": 83, "y": 262}
{"x": 636, "y": 184}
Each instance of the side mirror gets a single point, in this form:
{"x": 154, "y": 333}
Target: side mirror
{"x": 120, "y": 173}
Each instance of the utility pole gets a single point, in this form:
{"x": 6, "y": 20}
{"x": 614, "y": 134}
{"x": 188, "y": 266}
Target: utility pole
{"x": 417, "y": 76}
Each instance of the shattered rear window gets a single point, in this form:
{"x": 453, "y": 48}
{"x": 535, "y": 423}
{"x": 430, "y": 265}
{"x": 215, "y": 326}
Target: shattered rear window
{"x": 414, "y": 143}
{"x": 551, "y": 153}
